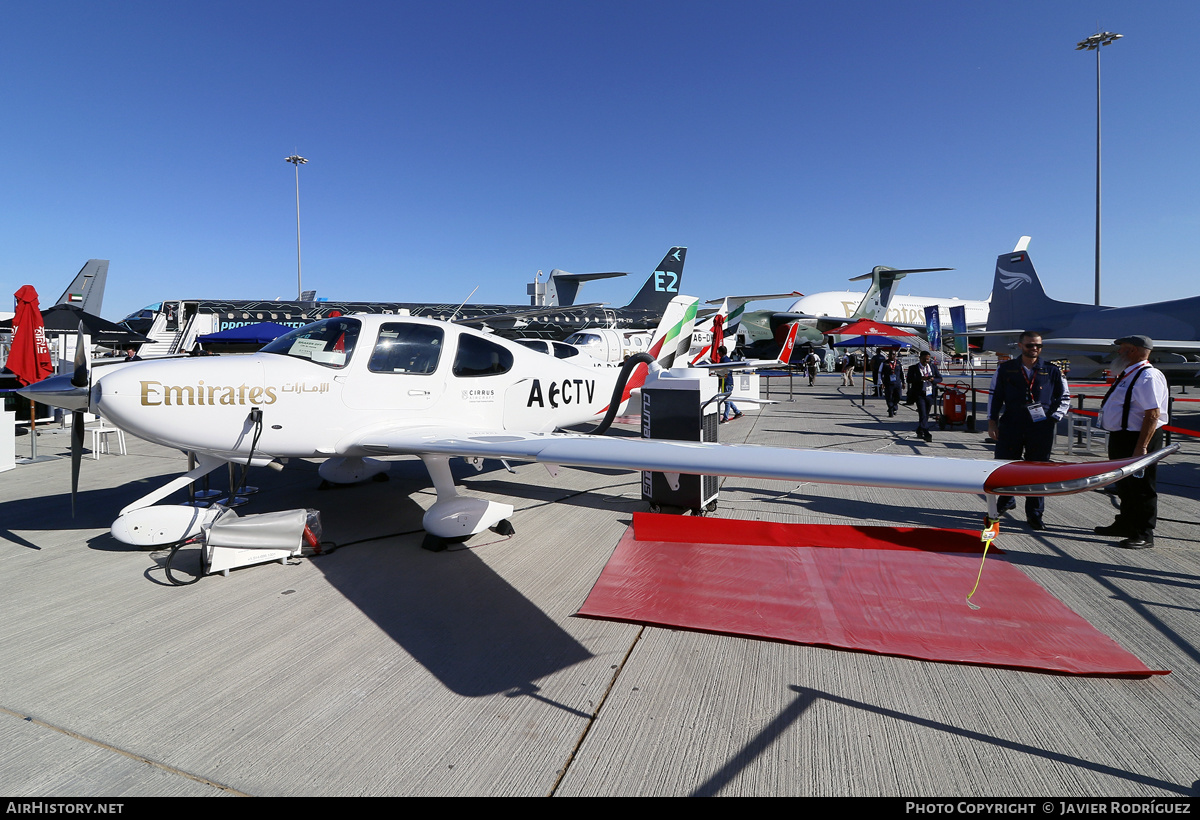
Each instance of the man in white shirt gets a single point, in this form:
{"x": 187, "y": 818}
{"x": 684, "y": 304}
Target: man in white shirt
{"x": 1134, "y": 412}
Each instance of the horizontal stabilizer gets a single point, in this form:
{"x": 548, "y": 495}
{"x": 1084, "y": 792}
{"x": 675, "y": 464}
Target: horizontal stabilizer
{"x": 896, "y": 273}
{"x": 761, "y": 297}
{"x": 562, "y": 288}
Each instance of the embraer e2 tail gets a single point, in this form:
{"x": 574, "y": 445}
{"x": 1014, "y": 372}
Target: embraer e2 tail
{"x": 663, "y": 284}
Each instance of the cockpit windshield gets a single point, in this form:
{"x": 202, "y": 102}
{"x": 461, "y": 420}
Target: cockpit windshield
{"x": 329, "y": 342}
{"x": 145, "y": 313}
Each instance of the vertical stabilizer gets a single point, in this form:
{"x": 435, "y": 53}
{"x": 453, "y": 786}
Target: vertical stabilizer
{"x": 785, "y": 353}
{"x": 672, "y": 339}
{"x": 86, "y": 290}
{"x": 874, "y": 305}
{"x": 706, "y": 351}
{"x": 663, "y": 284}
{"x": 1018, "y": 297}
{"x": 877, "y": 298}
{"x": 730, "y": 312}
{"x": 673, "y": 336}
{"x": 561, "y": 288}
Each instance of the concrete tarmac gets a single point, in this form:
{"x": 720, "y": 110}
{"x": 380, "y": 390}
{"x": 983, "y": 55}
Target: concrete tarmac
{"x": 385, "y": 669}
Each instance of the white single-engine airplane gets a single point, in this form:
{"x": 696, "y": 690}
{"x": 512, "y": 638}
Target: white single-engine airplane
{"x": 348, "y": 388}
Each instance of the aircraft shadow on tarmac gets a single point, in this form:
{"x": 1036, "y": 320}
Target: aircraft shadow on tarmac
{"x": 453, "y": 614}
{"x": 94, "y": 509}
{"x": 594, "y": 498}
{"x": 450, "y": 611}
{"x": 806, "y": 697}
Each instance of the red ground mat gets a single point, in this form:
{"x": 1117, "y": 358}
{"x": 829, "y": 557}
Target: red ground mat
{"x": 873, "y": 589}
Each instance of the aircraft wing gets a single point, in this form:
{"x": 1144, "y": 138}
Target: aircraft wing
{"x": 784, "y": 314}
{"x": 730, "y": 367}
{"x": 759, "y": 297}
{"x": 520, "y": 314}
{"x": 1106, "y": 345}
{"x": 837, "y": 321}
{"x": 751, "y": 461}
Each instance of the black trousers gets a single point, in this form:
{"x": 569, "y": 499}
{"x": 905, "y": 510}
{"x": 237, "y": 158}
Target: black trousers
{"x": 1138, "y": 495}
{"x": 891, "y": 393}
{"x": 924, "y": 404}
{"x": 1026, "y": 440}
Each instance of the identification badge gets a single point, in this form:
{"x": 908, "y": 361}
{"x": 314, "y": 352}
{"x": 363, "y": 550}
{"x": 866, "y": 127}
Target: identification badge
{"x": 1036, "y": 411}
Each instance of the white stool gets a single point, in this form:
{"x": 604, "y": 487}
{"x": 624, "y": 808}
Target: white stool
{"x": 1088, "y": 426}
{"x": 100, "y": 442}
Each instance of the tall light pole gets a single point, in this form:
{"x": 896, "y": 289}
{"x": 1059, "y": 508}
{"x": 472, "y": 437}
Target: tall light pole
{"x": 1093, "y": 43}
{"x": 297, "y": 160}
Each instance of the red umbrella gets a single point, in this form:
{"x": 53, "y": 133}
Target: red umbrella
{"x": 868, "y": 328}
{"x": 29, "y": 358}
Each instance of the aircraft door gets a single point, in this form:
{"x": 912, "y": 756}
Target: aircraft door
{"x": 405, "y": 371}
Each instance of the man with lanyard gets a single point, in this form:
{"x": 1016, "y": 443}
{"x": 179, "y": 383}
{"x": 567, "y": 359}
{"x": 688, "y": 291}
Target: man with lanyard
{"x": 922, "y": 381}
{"x": 1028, "y": 399}
{"x": 1134, "y": 412}
{"x": 892, "y": 378}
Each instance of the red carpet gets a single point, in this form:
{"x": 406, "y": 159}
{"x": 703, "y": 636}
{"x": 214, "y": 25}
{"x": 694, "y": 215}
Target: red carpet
{"x": 874, "y": 589}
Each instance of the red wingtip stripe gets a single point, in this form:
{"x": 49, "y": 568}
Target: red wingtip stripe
{"x": 1031, "y": 473}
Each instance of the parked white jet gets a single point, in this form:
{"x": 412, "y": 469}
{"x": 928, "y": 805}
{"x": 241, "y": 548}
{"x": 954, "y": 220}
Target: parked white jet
{"x": 902, "y": 310}
{"x": 823, "y": 312}
{"x": 348, "y": 388}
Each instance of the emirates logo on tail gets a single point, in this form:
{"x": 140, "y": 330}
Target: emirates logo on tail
{"x": 1012, "y": 279}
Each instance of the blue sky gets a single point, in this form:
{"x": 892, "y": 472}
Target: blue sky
{"x": 789, "y": 145}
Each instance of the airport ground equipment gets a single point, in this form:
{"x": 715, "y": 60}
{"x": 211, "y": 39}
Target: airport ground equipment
{"x": 226, "y": 540}
{"x": 683, "y": 407}
{"x": 954, "y": 405}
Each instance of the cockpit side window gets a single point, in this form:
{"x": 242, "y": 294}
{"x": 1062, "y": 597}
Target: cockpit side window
{"x": 406, "y": 347}
{"x": 533, "y": 344}
{"x": 583, "y": 339}
{"x": 329, "y": 342}
{"x": 480, "y": 357}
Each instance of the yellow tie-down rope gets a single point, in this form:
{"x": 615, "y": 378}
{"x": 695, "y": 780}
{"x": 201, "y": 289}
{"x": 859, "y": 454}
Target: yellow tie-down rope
{"x": 991, "y": 528}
